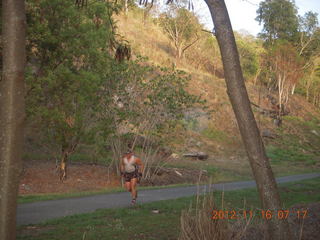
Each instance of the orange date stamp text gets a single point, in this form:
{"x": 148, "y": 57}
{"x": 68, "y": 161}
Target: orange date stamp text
{"x": 264, "y": 214}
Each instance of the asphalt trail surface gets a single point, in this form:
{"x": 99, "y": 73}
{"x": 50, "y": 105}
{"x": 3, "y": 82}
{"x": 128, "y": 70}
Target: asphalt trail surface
{"x": 37, "y": 212}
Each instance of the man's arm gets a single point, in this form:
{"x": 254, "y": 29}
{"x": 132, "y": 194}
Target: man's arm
{"x": 140, "y": 164}
{"x": 121, "y": 166}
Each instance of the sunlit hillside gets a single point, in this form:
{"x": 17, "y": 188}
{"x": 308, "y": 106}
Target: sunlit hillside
{"x": 218, "y": 135}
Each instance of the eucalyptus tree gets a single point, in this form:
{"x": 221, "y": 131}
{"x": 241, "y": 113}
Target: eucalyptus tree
{"x": 309, "y": 32}
{"x": 182, "y": 27}
{"x": 281, "y": 22}
{"x": 287, "y": 68}
{"x": 279, "y": 19}
{"x": 12, "y": 112}
{"x": 309, "y": 49}
{"x": 236, "y": 89}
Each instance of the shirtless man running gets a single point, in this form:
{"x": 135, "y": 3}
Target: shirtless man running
{"x": 131, "y": 168}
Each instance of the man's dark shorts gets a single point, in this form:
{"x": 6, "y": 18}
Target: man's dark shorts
{"x": 129, "y": 176}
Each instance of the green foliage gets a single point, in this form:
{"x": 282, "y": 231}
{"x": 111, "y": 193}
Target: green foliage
{"x": 67, "y": 55}
{"x": 309, "y": 23}
{"x": 309, "y": 32}
{"x": 279, "y": 18}
{"x": 249, "y": 57}
{"x": 77, "y": 92}
{"x": 281, "y": 23}
{"x": 147, "y": 100}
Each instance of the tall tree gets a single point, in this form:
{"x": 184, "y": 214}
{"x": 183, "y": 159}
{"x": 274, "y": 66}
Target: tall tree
{"x": 267, "y": 187}
{"x": 309, "y": 49}
{"x": 308, "y": 28}
{"x": 12, "y": 112}
{"x": 182, "y": 27}
{"x": 68, "y": 55}
{"x": 286, "y": 67}
{"x": 279, "y": 19}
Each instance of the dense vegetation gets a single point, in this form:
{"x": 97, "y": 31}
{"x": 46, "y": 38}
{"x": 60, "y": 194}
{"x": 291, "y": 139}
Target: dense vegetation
{"x": 91, "y": 89}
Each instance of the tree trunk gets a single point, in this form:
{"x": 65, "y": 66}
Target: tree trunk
{"x": 67, "y": 149}
{"x": 12, "y": 112}
{"x": 126, "y": 9}
{"x": 267, "y": 187}
{"x": 63, "y": 166}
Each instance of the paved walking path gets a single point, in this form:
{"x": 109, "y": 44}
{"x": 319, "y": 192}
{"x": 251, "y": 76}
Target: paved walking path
{"x": 37, "y": 212}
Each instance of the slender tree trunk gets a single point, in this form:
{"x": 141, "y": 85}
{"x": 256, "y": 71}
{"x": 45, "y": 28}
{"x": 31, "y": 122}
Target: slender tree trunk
{"x": 267, "y": 187}
{"x": 126, "y": 7}
{"x": 12, "y": 112}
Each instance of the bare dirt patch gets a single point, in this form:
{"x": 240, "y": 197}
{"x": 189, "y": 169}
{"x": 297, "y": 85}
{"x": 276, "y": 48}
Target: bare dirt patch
{"x": 42, "y": 178}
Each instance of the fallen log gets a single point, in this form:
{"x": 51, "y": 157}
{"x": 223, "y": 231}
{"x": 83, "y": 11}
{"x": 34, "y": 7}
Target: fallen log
{"x": 199, "y": 155}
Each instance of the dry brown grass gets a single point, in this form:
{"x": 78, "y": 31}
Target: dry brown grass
{"x": 196, "y": 224}
{"x": 147, "y": 38}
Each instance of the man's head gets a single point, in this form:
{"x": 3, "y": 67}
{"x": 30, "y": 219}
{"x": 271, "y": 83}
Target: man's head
{"x": 128, "y": 152}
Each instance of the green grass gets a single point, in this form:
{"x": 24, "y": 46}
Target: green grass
{"x": 44, "y": 197}
{"x": 305, "y": 191}
{"x": 300, "y": 135}
{"x": 141, "y": 223}
{"x": 297, "y": 144}
{"x": 55, "y": 196}
{"x": 279, "y": 155}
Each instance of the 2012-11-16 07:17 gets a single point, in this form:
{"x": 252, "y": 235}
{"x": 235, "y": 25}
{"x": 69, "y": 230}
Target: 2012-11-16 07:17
{"x": 264, "y": 214}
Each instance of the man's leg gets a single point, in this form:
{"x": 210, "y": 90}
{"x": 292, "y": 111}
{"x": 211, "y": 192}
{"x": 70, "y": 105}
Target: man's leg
{"x": 134, "y": 193}
{"x": 128, "y": 186}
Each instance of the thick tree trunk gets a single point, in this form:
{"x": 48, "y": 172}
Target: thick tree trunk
{"x": 12, "y": 112}
{"x": 269, "y": 196}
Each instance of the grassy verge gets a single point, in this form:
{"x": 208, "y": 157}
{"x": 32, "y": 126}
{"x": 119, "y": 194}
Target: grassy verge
{"x": 141, "y": 223}
{"x": 45, "y": 197}
{"x": 219, "y": 176}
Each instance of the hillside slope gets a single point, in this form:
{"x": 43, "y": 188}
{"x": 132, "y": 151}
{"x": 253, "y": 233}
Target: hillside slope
{"x": 296, "y": 140}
